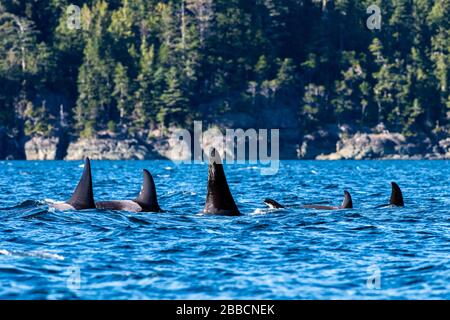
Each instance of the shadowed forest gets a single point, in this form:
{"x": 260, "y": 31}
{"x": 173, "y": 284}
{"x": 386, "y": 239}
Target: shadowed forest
{"x": 131, "y": 66}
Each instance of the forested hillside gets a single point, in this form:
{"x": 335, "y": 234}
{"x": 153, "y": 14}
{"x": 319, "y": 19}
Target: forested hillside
{"x": 137, "y": 65}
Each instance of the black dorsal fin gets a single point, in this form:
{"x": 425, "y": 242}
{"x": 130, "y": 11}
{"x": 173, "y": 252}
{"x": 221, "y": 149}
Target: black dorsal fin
{"x": 396, "y": 196}
{"x": 83, "y": 196}
{"x": 219, "y": 199}
{"x": 147, "y": 198}
{"x": 273, "y": 204}
{"x": 347, "y": 203}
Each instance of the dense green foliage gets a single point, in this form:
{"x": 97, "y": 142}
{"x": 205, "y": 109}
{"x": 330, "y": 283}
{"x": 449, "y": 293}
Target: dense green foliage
{"x": 139, "y": 64}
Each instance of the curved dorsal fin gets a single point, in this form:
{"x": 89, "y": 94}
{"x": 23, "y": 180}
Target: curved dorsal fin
{"x": 273, "y": 204}
{"x": 218, "y": 199}
{"x": 396, "y": 196}
{"x": 83, "y": 196}
{"x": 147, "y": 198}
{"x": 347, "y": 203}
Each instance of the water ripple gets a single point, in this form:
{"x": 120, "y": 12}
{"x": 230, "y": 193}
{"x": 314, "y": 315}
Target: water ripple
{"x": 293, "y": 253}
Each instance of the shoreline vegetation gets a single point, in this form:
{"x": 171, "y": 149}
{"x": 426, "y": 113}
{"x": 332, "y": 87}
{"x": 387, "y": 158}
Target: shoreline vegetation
{"x": 114, "y": 79}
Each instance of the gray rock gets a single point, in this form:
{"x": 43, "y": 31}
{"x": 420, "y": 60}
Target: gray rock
{"x": 107, "y": 149}
{"x": 317, "y": 143}
{"x": 383, "y": 145}
{"x": 40, "y": 148}
{"x": 445, "y": 147}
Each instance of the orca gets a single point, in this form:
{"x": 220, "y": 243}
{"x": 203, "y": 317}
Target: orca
{"x": 83, "y": 196}
{"x": 396, "y": 197}
{"x": 273, "y": 204}
{"x": 147, "y": 201}
{"x": 346, "y": 204}
{"x": 219, "y": 200}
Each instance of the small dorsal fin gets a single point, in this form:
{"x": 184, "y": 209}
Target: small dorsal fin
{"x": 273, "y": 204}
{"x": 83, "y": 196}
{"x": 396, "y": 196}
{"x": 219, "y": 199}
{"x": 147, "y": 198}
{"x": 347, "y": 203}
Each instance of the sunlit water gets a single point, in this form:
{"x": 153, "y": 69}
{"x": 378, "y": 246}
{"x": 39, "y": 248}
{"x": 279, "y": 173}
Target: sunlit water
{"x": 264, "y": 254}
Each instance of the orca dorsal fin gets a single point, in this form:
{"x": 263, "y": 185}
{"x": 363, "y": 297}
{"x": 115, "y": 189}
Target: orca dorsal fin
{"x": 219, "y": 199}
{"x": 273, "y": 204}
{"x": 347, "y": 203}
{"x": 83, "y": 196}
{"x": 396, "y": 196}
{"x": 147, "y": 198}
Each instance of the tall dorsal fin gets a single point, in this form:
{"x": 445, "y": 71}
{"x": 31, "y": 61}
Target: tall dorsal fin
{"x": 147, "y": 198}
{"x": 83, "y": 196}
{"x": 218, "y": 199}
{"x": 396, "y": 196}
{"x": 347, "y": 203}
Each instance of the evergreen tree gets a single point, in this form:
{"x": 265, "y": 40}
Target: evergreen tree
{"x": 135, "y": 65}
{"x": 145, "y": 104}
{"x": 440, "y": 56}
{"x": 173, "y": 99}
{"x": 121, "y": 93}
{"x": 349, "y": 100}
{"x": 95, "y": 78}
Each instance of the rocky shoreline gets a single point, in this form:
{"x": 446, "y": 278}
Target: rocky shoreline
{"x": 386, "y": 146}
{"x": 332, "y": 144}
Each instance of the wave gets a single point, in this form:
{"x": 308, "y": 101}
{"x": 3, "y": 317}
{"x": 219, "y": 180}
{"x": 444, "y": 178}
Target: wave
{"x": 24, "y": 205}
{"x": 32, "y": 254}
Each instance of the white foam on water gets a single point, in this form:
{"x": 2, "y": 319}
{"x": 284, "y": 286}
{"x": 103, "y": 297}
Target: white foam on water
{"x": 5, "y": 252}
{"x": 36, "y": 254}
{"x": 249, "y": 168}
{"x": 259, "y": 211}
{"x": 46, "y": 255}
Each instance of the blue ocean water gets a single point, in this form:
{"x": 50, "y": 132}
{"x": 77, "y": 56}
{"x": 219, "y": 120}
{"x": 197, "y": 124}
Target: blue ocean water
{"x": 363, "y": 253}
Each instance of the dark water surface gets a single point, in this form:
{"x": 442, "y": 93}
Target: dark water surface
{"x": 264, "y": 254}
